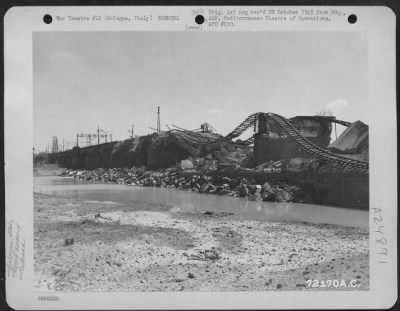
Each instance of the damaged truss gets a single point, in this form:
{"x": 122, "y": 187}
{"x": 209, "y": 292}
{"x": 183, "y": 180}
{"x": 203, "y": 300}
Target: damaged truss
{"x": 336, "y": 160}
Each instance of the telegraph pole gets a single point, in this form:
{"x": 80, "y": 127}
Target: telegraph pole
{"x": 77, "y": 140}
{"x": 158, "y": 120}
{"x": 98, "y": 134}
{"x": 131, "y": 130}
{"x": 63, "y": 144}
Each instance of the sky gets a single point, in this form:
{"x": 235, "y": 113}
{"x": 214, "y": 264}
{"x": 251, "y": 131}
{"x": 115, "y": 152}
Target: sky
{"x": 116, "y": 79}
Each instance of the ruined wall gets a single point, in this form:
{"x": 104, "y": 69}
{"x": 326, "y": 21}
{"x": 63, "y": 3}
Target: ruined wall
{"x": 274, "y": 144}
{"x": 114, "y": 154}
{"x": 151, "y": 151}
{"x": 128, "y": 153}
{"x": 166, "y": 150}
{"x": 350, "y": 190}
{"x": 353, "y": 140}
{"x": 168, "y": 156}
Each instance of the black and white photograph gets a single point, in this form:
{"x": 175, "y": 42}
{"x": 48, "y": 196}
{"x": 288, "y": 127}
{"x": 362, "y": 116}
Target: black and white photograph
{"x": 202, "y": 161}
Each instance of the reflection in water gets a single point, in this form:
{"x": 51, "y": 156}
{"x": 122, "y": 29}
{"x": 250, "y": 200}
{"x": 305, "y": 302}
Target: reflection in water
{"x": 192, "y": 201}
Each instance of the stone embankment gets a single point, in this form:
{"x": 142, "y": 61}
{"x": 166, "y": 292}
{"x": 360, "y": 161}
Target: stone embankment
{"x": 171, "y": 178}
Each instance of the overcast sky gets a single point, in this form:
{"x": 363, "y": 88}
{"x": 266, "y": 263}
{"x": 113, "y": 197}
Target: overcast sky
{"x": 116, "y": 79}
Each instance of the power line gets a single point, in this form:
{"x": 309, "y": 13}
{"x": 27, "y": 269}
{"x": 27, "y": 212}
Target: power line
{"x": 101, "y": 134}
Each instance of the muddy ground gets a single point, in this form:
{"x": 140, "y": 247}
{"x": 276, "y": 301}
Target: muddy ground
{"x": 105, "y": 246}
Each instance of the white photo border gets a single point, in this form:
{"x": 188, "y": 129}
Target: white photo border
{"x": 378, "y": 24}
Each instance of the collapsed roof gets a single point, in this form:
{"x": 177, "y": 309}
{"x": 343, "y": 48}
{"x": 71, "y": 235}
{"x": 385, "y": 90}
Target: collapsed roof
{"x": 353, "y": 140}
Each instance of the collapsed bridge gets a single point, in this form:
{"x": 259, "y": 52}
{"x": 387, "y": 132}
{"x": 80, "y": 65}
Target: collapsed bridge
{"x": 291, "y": 132}
{"x": 340, "y": 177}
{"x": 275, "y": 138}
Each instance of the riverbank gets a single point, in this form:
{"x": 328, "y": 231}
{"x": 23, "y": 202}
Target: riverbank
{"x": 201, "y": 183}
{"x": 47, "y": 169}
{"x": 82, "y": 245}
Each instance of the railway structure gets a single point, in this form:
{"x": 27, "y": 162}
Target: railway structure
{"x": 255, "y": 121}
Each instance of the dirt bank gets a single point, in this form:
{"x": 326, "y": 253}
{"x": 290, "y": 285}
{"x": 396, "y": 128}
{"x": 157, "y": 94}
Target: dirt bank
{"x": 105, "y": 246}
{"x": 47, "y": 169}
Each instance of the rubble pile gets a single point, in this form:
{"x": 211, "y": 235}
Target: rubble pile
{"x": 219, "y": 156}
{"x": 170, "y": 178}
{"x": 239, "y": 161}
{"x": 230, "y": 153}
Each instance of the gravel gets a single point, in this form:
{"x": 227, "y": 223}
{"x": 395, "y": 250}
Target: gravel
{"x": 153, "y": 248}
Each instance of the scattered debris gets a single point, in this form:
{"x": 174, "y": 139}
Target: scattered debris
{"x": 68, "y": 242}
{"x": 208, "y": 254}
{"x": 217, "y": 214}
{"x": 353, "y": 140}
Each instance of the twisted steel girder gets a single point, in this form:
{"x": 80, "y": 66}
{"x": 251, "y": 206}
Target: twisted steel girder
{"x": 336, "y": 160}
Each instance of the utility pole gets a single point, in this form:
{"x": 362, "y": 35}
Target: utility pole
{"x": 77, "y": 140}
{"x": 63, "y": 144}
{"x": 98, "y": 134}
{"x": 158, "y": 120}
{"x": 131, "y": 131}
